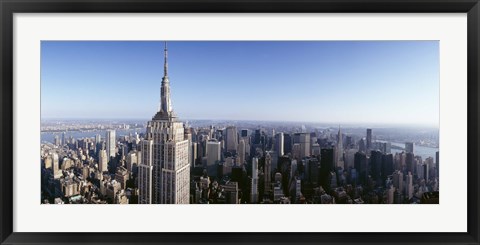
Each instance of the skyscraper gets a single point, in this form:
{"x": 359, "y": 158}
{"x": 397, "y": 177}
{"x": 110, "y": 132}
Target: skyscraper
{"x": 257, "y": 136}
{"x": 387, "y": 165}
{"x": 409, "y": 147}
{"x": 409, "y": 186}
{"x": 241, "y": 152}
{"x": 98, "y": 138}
{"x": 327, "y": 164}
{"x": 339, "y": 150}
{"x": 254, "y": 186}
{"x": 268, "y": 172}
{"x": 279, "y": 144}
{"x": 303, "y": 139}
{"x": 425, "y": 172}
{"x": 213, "y": 156}
{"x": 244, "y": 133}
{"x": 57, "y": 140}
{"x": 400, "y": 161}
{"x": 349, "y": 158}
{"x": 409, "y": 161}
{"x": 369, "y": 140}
{"x": 231, "y": 139}
{"x": 376, "y": 167}
{"x": 102, "y": 161}
{"x": 110, "y": 140}
{"x": 171, "y": 165}
{"x": 57, "y": 172}
{"x": 386, "y": 147}
{"x": 361, "y": 166}
{"x": 296, "y": 151}
{"x": 287, "y": 144}
{"x": 194, "y": 154}
{"x": 313, "y": 170}
{"x": 398, "y": 181}
{"x": 131, "y": 160}
{"x": 293, "y": 169}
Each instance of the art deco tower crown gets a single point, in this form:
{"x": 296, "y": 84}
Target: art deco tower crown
{"x": 165, "y": 111}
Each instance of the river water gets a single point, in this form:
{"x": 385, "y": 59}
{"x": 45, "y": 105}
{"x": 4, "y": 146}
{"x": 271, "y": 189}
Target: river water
{"x": 418, "y": 150}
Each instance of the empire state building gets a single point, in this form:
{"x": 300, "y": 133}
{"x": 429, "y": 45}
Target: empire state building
{"x": 164, "y": 172}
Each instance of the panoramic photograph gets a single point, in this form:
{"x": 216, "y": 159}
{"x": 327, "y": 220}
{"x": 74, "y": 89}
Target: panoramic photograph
{"x": 239, "y": 122}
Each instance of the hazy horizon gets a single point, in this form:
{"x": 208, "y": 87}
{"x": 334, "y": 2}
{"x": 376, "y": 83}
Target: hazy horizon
{"x": 253, "y": 120}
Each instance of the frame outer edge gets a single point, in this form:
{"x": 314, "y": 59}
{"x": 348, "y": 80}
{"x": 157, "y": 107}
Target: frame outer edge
{"x": 473, "y": 43}
{"x": 2, "y": 50}
{"x": 6, "y": 113}
{"x": 6, "y": 134}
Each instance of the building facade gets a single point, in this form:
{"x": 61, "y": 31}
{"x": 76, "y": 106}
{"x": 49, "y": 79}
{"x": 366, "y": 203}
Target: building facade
{"x": 110, "y": 143}
{"x": 145, "y": 173}
{"x": 231, "y": 139}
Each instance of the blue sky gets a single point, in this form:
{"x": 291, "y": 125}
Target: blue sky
{"x": 313, "y": 81}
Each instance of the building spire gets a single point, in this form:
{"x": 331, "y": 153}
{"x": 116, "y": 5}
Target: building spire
{"x": 165, "y": 67}
{"x": 339, "y": 135}
{"x": 165, "y": 102}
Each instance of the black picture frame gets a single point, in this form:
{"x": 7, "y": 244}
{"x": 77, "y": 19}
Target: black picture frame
{"x": 9, "y": 7}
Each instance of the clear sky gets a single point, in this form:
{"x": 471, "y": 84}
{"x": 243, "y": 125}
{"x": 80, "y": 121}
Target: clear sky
{"x": 312, "y": 81}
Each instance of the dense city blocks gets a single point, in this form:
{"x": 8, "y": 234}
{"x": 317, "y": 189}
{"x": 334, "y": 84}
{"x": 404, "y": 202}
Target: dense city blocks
{"x": 266, "y": 162}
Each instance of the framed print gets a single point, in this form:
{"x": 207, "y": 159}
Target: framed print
{"x": 117, "y": 114}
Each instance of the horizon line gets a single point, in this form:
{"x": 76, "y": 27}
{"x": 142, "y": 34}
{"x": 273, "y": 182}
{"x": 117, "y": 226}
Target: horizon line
{"x": 258, "y": 120}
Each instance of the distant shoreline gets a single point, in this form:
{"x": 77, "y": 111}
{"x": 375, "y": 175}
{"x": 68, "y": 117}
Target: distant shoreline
{"x": 322, "y": 124}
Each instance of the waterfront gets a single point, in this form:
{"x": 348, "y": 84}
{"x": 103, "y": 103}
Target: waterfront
{"x": 50, "y": 136}
{"x": 418, "y": 150}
